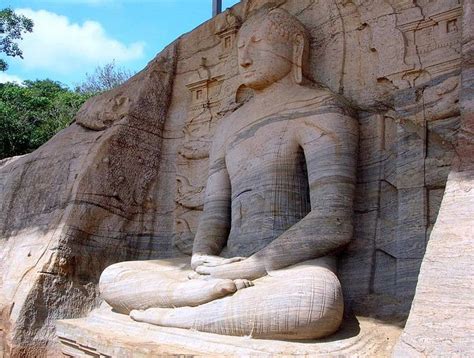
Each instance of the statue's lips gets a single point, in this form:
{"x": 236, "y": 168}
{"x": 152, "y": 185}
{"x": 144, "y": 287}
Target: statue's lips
{"x": 248, "y": 74}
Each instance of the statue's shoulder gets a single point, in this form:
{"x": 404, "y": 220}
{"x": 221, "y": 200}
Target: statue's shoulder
{"x": 224, "y": 124}
{"x": 322, "y": 108}
{"x": 323, "y": 101}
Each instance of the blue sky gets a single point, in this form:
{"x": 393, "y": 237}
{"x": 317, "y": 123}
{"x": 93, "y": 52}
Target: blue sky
{"x": 72, "y": 37}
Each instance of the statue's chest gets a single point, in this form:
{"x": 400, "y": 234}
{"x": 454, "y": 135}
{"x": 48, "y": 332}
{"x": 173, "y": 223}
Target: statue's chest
{"x": 255, "y": 149}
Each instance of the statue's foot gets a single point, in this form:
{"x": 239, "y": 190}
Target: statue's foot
{"x": 168, "y": 317}
{"x": 157, "y": 316}
{"x": 223, "y": 288}
{"x": 182, "y": 316}
{"x": 242, "y": 283}
{"x": 197, "y": 292}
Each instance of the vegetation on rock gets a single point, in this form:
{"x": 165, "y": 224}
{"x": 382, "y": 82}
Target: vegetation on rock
{"x": 33, "y": 112}
{"x": 103, "y": 79}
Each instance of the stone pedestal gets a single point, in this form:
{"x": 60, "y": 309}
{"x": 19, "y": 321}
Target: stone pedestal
{"x": 108, "y": 334}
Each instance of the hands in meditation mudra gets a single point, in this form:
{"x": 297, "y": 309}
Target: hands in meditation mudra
{"x": 278, "y": 207}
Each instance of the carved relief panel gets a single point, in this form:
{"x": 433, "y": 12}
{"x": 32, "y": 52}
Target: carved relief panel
{"x": 212, "y": 88}
{"x": 433, "y": 43}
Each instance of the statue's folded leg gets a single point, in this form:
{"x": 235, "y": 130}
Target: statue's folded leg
{"x": 158, "y": 283}
{"x": 301, "y": 302}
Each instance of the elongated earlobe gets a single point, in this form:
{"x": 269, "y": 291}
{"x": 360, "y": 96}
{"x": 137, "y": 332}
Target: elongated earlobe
{"x": 298, "y": 48}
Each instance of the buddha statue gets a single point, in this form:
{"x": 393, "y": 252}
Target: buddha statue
{"x": 278, "y": 208}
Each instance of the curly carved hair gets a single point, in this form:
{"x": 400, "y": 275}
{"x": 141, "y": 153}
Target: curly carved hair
{"x": 287, "y": 27}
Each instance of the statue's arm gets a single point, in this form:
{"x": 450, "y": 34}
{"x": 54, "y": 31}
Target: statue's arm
{"x": 330, "y": 144}
{"x": 214, "y": 223}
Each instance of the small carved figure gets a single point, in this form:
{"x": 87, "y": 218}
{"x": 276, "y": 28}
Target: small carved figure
{"x": 277, "y": 209}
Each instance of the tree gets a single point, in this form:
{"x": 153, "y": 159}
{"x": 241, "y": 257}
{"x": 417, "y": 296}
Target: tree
{"x": 103, "y": 79}
{"x": 31, "y": 113}
{"x": 12, "y": 26}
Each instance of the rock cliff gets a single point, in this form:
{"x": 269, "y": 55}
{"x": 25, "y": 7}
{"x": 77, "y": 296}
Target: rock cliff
{"x": 125, "y": 181}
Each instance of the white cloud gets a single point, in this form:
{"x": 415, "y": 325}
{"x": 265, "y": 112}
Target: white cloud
{"x": 4, "y": 77}
{"x": 58, "y": 45}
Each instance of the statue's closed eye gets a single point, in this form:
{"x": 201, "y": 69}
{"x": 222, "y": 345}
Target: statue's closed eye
{"x": 256, "y": 39}
{"x": 253, "y": 39}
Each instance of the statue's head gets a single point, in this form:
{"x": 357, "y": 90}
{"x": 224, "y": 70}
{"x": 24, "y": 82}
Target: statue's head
{"x": 271, "y": 47}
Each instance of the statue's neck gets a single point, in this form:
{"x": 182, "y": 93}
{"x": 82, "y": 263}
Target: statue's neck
{"x": 283, "y": 86}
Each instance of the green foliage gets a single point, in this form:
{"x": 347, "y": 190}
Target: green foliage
{"x": 12, "y": 26}
{"x": 32, "y": 113}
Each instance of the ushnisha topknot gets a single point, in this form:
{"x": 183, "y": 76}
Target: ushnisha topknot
{"x": 284, "y": 26}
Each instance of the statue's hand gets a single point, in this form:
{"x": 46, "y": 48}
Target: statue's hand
{"x": 198, "y": 259}
{"x": 223, "y": 261}
{"x": 211, "y": 260}
{"x": 248, "y": 268}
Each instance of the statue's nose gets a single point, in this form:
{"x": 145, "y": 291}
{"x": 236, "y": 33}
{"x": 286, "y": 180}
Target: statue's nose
{"x": 245, "y": 60}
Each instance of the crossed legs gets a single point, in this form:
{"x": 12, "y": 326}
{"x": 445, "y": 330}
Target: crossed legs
{"x": 300, "y": 302}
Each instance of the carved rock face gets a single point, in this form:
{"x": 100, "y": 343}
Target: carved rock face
{"x": 399, "y": 64}
{"x": 262, "y": 60}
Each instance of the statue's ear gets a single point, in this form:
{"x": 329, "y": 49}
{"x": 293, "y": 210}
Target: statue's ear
{"x": 298, "y": 48}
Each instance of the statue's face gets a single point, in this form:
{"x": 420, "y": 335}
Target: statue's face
{"x": 262, "y": 60}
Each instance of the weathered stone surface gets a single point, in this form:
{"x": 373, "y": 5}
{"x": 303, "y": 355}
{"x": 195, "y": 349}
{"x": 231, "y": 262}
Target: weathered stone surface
{"x": 442, "y": 314}
{"x": 77, "y": 204}
{"x": 92, "y": 335}
{"x": 393, "y": 144}
{"x": 441, "y": 319}
{"x": 397, "y": 62}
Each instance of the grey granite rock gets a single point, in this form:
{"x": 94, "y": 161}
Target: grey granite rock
{"x": 397, "y": 62}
